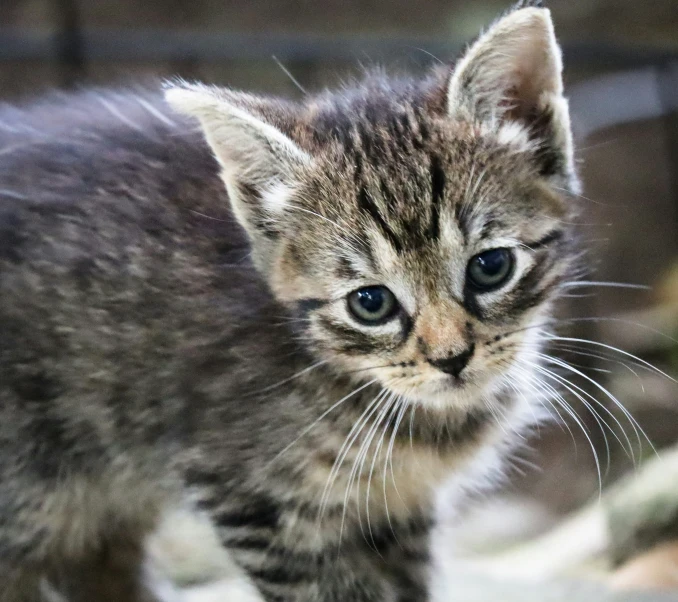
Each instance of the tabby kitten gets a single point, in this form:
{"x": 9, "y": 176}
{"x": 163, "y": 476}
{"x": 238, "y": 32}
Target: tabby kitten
{"x": 303, "y": 337}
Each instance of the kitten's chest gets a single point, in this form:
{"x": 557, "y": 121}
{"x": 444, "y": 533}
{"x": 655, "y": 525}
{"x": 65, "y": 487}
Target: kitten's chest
{"x": 384, "y": 479}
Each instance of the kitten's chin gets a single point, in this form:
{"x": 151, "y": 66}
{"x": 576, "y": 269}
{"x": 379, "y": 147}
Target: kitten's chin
{"x": 446, "y": 394}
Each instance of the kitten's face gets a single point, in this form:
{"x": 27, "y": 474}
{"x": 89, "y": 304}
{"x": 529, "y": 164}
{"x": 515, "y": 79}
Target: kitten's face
{"x": 421, "y": 256}
{"x": 414, "y": 228}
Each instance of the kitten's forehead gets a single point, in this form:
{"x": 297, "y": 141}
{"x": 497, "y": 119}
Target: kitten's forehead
{"x": 414, "y": 191}
{"x": 417, "y": 177}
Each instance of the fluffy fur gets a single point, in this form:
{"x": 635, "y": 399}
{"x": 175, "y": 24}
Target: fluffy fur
{"x": 175, "y": 327}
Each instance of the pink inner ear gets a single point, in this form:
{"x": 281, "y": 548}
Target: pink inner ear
{"x": 532, "y": 77}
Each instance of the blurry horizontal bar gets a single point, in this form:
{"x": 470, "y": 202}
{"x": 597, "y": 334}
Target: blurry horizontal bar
{"x": 149, "y": 45}
{"x": 623, "y": 97}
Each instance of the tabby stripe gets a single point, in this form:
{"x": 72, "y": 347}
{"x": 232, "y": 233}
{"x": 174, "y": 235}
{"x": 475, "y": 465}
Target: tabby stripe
{"x": 423, "y": 129}
{"x": 448, "y": 433}
{"x": 306, "y": 306}
{"x": 248, "y": 541}
{"x": 549, "y": 238}
{"x": 437, "y": 192}
{"x": 538, "y": 296}
{"x": 417, "y": 556}
{"x": 527, "y": 295}
{"x": 488, "y": 228}
{"x": 345, "y": 269}
{"x": 461, "y": 217}
{"x": 237, "y": 519}
{"x": 271, "y": 593}
{"x": 255, "y": 513}
{"x": 365, "y": 203}
{"x": 197, "y": 476}
{"x": 406, "y": 323}
{"x": 280, "y": 575}
{"x": 352, "y": 340}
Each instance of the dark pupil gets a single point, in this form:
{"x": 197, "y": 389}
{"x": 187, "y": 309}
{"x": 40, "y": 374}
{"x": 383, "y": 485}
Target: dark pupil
{"x": 492, "y": 262}
{"x": 371, "y": 299}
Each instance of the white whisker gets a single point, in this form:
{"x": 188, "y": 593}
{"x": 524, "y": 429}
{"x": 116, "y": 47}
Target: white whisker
{"x": 12, "y": 194}
{"x": 389, "y": 410}
{"x": 358, "y": 464}
{"x": 560, "y": 400}
{"x": 346, "y": 446}
{"x": 153, "y": 111}
{"x": 634, "y": 423}
{"x": 317, "y": 420}
{"x": 579, "y": 393}
{"x": 653, "y": 368}
{"x": 289, "y": 378}
{"x": 603, "y": 284}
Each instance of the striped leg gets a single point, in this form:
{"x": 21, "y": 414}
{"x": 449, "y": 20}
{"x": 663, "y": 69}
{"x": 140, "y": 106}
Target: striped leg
{"x": 285, "y": 555}
{"x": 406, "y": 557}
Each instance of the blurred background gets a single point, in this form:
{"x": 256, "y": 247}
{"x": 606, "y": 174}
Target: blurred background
{"x": 621, "y": 61}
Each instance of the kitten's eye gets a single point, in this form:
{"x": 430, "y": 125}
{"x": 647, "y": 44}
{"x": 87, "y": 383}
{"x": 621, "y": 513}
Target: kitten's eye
{"x": 490, "y": 269}
{"x": 372, "y": 304}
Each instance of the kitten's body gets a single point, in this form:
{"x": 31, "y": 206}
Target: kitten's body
{"x": 138, "y": 298}
{"x": 145, "y": 363}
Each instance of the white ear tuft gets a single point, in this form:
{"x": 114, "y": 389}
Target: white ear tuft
{"x": 244, "y": 144}
{"x": 512, "y": 65}
{"x": 259, "y": 163}
{"x": 513, "y": 74}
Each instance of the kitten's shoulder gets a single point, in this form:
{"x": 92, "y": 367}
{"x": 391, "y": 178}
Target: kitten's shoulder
{"x": 84, "y": 135}
{"x": 106, "y": 178}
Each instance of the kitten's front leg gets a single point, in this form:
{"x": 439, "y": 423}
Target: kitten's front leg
{"x": 405, "y": 554}
{"x": 332, "y": 580}
{"x": 283, "y": 553}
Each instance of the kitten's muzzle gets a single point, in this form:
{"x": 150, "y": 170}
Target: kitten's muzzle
{"x": 454, "y": 364}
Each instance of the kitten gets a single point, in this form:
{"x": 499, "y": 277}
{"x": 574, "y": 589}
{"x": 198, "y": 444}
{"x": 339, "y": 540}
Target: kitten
{"x": 302, "y": 327}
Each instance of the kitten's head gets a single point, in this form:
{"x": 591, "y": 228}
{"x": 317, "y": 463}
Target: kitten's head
{"x": 417, "y": 228}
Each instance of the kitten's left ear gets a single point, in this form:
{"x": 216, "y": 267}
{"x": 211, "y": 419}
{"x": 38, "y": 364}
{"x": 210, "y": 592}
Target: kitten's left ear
{"x": 513, "y": 73}
{"x": 258, "y": 161}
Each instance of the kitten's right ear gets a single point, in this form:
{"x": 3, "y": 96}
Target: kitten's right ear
{"x": 258, "y": 162}
{"x": 513, "y": 75}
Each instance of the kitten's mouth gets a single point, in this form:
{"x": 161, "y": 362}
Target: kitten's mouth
{"x": 455, "y": 381}
{"x": 452, "y": 383}
{"x": 447, "y": 383}
{"x": 444, "y": 392}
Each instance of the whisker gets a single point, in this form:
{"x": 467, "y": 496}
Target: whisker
{"x": 349, "y": 440}
{"x": 622, "y": 321}
{"x": 653, "y": 368}
{"x": 634, "y": 423}
{"x": 578, "y": 392}
{"x": 540, "y": 391}
{"x": 358, "y": 464}
{"x": 389, "y": 453}
{"x": 585, "y": 198}
{"x": 605, "y": 284}
{"x": 317, "y": 420}
{"x": 288, "y": 73}
{"x": 13, "y": 194}
{"x": 289, "y": 378}
{"x": 557, "y": 398}
{"x": 605, "y": 357}
{"x": 389, "y": 410}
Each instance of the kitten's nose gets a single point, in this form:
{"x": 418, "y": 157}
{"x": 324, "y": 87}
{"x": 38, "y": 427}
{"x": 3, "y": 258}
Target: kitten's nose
{"x": 454, "y": 364}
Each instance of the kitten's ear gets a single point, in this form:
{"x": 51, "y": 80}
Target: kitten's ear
{"x": 258, "y": 162}
{"x": 513, "y": 73}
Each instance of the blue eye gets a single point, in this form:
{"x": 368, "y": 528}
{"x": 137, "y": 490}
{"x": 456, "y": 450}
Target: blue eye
{"x": 490, "y": 269}
{"x": 372, "y": 304}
